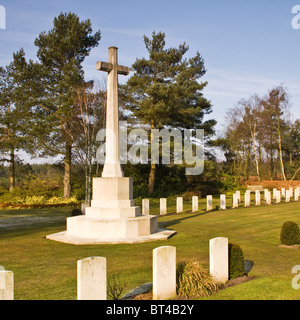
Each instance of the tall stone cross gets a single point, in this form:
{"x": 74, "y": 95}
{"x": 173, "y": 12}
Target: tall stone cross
{"x": 112, "y": 167}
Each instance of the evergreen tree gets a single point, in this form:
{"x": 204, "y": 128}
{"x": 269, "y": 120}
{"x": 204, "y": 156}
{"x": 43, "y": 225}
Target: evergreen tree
{"x": 165, "y": 91}
{"x": 16, "y": 114}
{"x": 61, "y": 52}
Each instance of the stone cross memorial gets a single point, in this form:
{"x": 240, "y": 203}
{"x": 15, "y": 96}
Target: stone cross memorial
{"x": 112, "y": 167}
{"x": 112, "y": 217}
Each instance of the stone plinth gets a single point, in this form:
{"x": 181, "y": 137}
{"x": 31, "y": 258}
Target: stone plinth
{"x": 112, "y": 218}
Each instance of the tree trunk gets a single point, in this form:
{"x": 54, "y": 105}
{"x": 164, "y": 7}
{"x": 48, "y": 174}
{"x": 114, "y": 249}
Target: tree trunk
{"x": 272, "y": 172}
{"x": 294, "y": 176}
{"x": 88, "y": 184}
{"x": 255, "y": 153}
{"x": 152, "y": 179}
{"x": 67, "y": 176}
{"x": 280, "y": 157}
{"x": 151, "y": 184}
{"x": 12, "y": 182}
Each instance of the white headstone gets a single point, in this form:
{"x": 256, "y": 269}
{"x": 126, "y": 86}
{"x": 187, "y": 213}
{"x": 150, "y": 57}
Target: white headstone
{"x": 145, "y": 207}
{"x": 278, "y": 196}
{"x": 6, "y": 285}
{"x": 269, "y": 198}
{"x": 164, "y": 273}
{"x": 296, "y": 196}
{"x": 287, "y": 196}
{"x": 195, "y": 204}
{"x": 218, "y": 259}
{"x": 223, "y": 202}
{"x": 257, "y": 197}
{"x": 266, "y": 194}
{"x": 238, "y": 195}
{"x": 163, "y": 206}
{"x": 283, "y": 192}
{"x": 235, "y": 202}
{"x": 84, "y": 205}
{"x": 179, "y": 205}
{"x": 247, "y": 198}
{"x": 91, "y": 279}
{"x": 291, "y": 191}
{"x": 274, "y": 193}
{"x": 209, "y": 203}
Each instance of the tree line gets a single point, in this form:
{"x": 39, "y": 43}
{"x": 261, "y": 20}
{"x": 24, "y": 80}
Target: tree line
{"x": 47, "y": 108}
{"x": 261, "y": 139}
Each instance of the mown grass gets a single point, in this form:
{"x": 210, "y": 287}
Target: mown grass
{"x": 46, "y": 270}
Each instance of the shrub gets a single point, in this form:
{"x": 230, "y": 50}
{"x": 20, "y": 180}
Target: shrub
{"x": 76, "y": 212}
{"x": 236, "y": 261}
{"x": 194, "y": 281}
{"x": 115, "y": 288}
{"x": 290, "y": 233}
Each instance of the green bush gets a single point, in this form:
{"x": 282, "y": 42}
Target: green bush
{"x": 194, "y": 281}
{"x": 76, "y": 212}
{"x": 290, "y": 233}
{"x": 236, "y": 261}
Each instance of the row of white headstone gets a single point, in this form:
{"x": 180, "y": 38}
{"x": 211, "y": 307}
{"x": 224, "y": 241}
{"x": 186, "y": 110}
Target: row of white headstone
{"x": 92, "y": 273}
{"x": 236, "y": 200}
{"x": 163, "y": 205}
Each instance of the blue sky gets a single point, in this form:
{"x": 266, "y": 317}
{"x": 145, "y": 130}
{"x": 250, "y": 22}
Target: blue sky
{"x": 248, "y": 46}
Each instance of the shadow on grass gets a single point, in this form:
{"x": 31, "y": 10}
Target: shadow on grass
{"x": 174, "y": 222}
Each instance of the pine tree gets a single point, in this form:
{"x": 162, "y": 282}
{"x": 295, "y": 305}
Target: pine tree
{"x": 16, "y": 114}
{"x": 61, "y": 52}
{"x": 165, "y": 91}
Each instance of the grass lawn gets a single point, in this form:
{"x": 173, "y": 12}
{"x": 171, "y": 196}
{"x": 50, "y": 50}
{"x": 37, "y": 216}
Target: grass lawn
{"x": 46, "y": 270}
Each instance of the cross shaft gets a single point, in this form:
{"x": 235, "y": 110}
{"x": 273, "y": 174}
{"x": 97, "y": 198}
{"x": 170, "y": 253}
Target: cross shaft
{"x": 112, "y": 166}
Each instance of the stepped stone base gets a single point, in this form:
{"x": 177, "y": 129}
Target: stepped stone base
{"x": 75, "y": 240}
{"x": 112, "y": 218}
